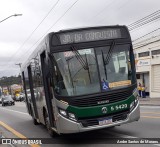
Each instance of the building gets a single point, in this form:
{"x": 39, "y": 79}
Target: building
{"x": 147, "y": 59}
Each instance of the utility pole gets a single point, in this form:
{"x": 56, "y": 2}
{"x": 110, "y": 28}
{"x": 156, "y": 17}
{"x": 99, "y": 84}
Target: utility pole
{"x": 19, "y": 64}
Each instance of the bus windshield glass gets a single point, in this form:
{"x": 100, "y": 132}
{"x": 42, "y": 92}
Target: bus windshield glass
{"x": 114, "y": 66}
{"x": 76, "y": 74}
{"x": 91, "y": 70}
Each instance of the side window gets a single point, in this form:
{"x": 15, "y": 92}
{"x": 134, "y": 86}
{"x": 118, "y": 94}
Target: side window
{"x": 37, "y": 73}
{"x": 56, "y": 74}
{"x": 27, "y": 89}
{"x": 26, "y": 79}
{"x": 33, "y": 73}
{"x": 144, "y": 54}
{"x": 24, "y": 83}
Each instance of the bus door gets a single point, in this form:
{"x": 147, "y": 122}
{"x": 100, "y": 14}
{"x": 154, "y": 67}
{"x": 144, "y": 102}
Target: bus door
{"x": 32, "y": 92}
{"x": 47, "y": 85}
{"x": 25, "y": 86}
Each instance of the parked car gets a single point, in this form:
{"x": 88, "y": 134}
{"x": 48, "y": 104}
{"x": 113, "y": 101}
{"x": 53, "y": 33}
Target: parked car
{"x": 7, "y": 100}
{"x": 17, "y": 97}
{"x": 21, "y": 96}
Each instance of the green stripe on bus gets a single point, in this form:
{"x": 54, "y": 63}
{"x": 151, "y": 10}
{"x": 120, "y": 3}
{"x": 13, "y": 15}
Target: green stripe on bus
{"x": 97, "y": 110}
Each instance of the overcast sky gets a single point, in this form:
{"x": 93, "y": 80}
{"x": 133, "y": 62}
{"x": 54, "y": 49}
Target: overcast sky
{"x": 20, "y": 35}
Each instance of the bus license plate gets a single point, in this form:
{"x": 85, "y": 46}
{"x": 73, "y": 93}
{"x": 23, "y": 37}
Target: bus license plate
{"x": 105, "y": 121}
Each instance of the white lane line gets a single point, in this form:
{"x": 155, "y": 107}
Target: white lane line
{"x": 14, "y": 111}
{"x": 150, "y": 107}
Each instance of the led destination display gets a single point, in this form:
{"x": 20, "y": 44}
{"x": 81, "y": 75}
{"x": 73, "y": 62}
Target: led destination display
{"x": 90, "y": 35}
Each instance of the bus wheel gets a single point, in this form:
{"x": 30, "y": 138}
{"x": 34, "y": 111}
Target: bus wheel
{"x": 111, "y": 127}
{"x": 35, "y": 121}
{"x": 47, "y": 124}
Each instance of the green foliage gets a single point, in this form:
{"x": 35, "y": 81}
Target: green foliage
{"x": 7, "y": 81}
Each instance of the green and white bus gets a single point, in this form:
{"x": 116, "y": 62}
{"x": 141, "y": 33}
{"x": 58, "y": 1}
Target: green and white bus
{"x": 82, "y": 79}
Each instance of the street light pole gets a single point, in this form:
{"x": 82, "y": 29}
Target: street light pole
{"x": 11, "y": 16}
{"x": 19, "y": 64}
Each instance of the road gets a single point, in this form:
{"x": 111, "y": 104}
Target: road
{"x": 147, "y": 127}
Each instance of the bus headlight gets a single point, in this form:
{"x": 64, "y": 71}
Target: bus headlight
{"x": 72, "y": 116}
{"x": 135, "y": 93}
{"x": 63, "y": 112}
{"x": 135, "y": 102}
{"x": 132, "y": 106}
{"x": 68, "y": 115}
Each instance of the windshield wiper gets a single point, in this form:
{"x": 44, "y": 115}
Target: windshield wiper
{"x": 104, "y": 65}
{"x": 80, "y": 58}
{"x": 82, "y": 61}
{"x": 107, "y": 58}
{"x": 109, "y": 53}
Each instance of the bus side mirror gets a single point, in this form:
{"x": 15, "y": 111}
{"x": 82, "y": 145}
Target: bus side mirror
{"x": 129, "y": 72}
{"x": 57, "y": 90}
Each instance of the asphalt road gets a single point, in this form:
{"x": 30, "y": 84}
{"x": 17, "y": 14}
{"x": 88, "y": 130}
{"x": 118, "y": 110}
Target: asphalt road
{"x": 147, "y": 127}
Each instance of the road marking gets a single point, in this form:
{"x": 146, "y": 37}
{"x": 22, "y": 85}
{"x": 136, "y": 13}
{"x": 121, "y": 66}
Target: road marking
{"x": 19, "y": 135}
{"x": 150, "y": 107}
{"x": 150, "y": 113}
{"x": 14, "y": 111}
{"x": 150, "y": 116}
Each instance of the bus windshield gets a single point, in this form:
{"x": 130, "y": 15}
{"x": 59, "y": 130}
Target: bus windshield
{"x": 76, "y": 72}
{"x": 114, "y": 66}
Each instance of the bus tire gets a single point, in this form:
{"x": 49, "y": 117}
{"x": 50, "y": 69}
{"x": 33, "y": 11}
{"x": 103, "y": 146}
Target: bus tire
{"x": 111, "y": 127}
{"x": 47, "y": 124}
{"x": 35, "y": 122}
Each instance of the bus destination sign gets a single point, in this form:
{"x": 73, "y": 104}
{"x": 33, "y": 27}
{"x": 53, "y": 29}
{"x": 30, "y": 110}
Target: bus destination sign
{"x": 90, "y": 35}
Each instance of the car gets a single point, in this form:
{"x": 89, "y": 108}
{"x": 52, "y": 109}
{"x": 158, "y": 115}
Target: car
{"x": 17, "y": 97}
{"x": 7, "y": 100}
{"x": 21, "y": 96}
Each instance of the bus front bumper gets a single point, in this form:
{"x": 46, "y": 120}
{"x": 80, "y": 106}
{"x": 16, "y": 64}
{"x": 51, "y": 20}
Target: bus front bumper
{"x": 66, "y": 126}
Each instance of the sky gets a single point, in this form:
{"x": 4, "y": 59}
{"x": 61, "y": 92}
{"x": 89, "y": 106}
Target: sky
{"x": 20, "y": 35}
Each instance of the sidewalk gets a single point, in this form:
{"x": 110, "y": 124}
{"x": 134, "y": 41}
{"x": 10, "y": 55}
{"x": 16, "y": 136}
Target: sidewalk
{"x": 149, "y": 101}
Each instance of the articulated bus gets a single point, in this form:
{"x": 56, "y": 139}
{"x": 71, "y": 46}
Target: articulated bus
{"x": 82, "y": 79}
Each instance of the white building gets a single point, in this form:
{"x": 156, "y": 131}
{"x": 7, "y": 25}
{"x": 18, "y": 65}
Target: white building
{"x": 147, "y": 58}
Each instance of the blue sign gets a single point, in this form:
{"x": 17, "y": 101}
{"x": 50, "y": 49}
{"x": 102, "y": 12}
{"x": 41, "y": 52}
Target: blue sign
{"x": 105, "y": 85}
